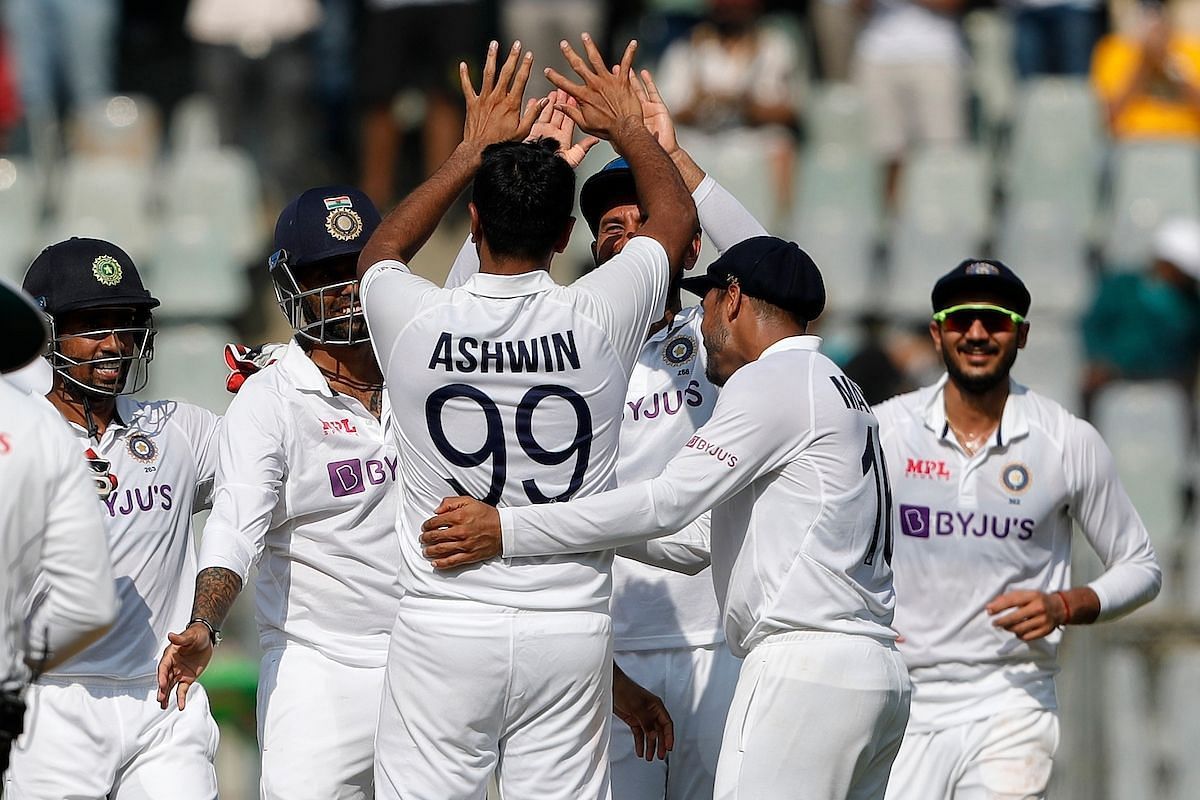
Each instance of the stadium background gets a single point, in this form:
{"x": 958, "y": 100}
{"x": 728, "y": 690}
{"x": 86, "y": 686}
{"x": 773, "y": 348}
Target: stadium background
{"x": 1039, "y": 185}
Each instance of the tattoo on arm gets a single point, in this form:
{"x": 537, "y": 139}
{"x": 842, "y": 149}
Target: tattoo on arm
{"x": 216, "y": 589}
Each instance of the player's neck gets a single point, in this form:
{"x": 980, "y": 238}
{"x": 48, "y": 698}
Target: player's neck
{"x": 93, "y": 413}
{"x": 351, "y": 369}
{"x": 495, "y": 264}
{"x": 973, "y": 412}
{"x": 673, "y": 306}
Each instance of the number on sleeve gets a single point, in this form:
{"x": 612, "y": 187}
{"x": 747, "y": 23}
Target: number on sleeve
{"x": 493, "y": 444}
{"x": 872, "y": 461}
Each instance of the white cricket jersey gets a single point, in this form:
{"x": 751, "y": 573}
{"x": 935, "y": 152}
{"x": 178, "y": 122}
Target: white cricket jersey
{"x": 162, "y": 455}
{"x": 975, "y": 527}
{"x": 49, "y": 526}
{"x": 307, "y": 488}
{"x": 510, "y": 389}
{"x": 669, "y": 397}
{"x": 801, "y": 517}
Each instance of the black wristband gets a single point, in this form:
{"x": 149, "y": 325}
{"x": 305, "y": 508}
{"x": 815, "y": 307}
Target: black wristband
{"x": 214, "y": 633}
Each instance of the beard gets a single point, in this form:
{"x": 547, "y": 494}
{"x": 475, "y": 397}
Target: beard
{"x": 714, "y": 344}
{"x": 979, "y": 383}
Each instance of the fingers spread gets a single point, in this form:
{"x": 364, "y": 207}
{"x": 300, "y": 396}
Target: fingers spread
{"x": 489, "y": 68}
{"x": 510, "y": 66}
{"x": 627, "y": 58}
{"x": 593, "y": 54}
{"x": 577, "y": 63}
{"x": 651, "y": 88}
{"x": 522, "y": 79}
{"x": 556, "y": 78}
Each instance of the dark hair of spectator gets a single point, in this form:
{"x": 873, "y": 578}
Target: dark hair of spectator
{"x": 524, "y": 194}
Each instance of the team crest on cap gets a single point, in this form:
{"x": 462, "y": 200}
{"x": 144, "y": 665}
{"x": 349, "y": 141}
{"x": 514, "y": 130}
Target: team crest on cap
{"x": 680, "y": 350}
{"x": 1015, "y": 478}
{"x": 344, "y": 224}
{"x": 107, "y": 270}
{"x": 142, "y": 448}
{"x": 982, "y": 268}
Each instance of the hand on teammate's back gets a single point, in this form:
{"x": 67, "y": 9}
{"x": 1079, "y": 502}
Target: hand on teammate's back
{"x": 606, "y": 99}
{"x": 495, "y": 114}
{"x": 463, "y": 532}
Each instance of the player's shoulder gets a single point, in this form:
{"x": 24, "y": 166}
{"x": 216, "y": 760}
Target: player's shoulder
{"x": 1053, "y": 421}
{"x": 907, "y": 408}
{"x": 24, "y": 416}
{"x": 157, "y": 417}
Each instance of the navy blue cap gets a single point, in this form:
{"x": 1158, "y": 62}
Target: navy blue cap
{"x": 325, "y": 222}
{"x": 771, "y": 269}
{"x": 85, "y": 273}
{"x": 602, "y": 191}
{"x": 22, "y": 327}
{"x": 980, "y": 278}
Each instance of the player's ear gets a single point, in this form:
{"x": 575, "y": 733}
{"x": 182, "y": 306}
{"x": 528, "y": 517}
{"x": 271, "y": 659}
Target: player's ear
{"x": 935, "y": 333}
{"x": 693, "y": 253}
{"x": 1022, "y": 335}
{"x": 565, "y": 238}
{"x": 476, "y": 228}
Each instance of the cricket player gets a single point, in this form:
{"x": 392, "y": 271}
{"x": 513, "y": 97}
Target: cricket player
{"x": 801, "y": 537}
{"x": 95, "y": 730}
{"x": 50, "y": 530}
{"x": 667, "y": 630}
{"x": 990, "y": 478}
{"x": 306, "y": 488}
{"x": 512, "y": 387}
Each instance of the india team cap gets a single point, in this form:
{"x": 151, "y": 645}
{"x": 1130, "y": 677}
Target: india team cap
{"x": 980, "y": 278}
{"x": 771, "y": 269}
{"x": 325, "y": 222}
{"x": 82, "y": 273}
{"x": 22, "y": 327}
{"x": 603, "y": 190}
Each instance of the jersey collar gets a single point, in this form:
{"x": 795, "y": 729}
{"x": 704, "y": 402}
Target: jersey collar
{"x": 804, "y": 341}
{"x": 1014, "y": 422}
{"x": 485, "y": 284}
{"x": 301, "y": 371}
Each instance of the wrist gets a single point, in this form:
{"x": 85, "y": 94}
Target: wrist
{"x": 628, "y": 130}
{"x": 214, "y": 633}
{"x": 469, "y": 152}
{"x": 1062, "y": 598}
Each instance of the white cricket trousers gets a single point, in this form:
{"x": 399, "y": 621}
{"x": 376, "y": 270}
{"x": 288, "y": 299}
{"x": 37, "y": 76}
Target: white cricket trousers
{"x": 316, "y": 726}
{"x": 816, "y": 716}
{"x": 1005, "y": 757}
{"x": 696, "y": 684}
{"x": 109, "y": 739}
{"x": 472, "y": 689}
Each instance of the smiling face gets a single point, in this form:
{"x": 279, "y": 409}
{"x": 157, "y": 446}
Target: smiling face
{"x": 96, "y": 348}
{"x": 978, "y": 345}
{"x": 615, "y": 228}
{"x": 330, "y": 293}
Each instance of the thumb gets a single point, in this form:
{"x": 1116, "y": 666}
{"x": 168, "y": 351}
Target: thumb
{"x": 177, "y": 638}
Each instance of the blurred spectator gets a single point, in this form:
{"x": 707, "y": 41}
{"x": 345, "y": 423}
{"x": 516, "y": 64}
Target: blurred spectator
{"x": 734, "y": 76}
{"x": 662, "y": 23}
{"x": 413, "y": 46}
{"x": 835, "y": 26}
{"x": 61, "y": 44}
{"x": 1146, "y": 326}
{"x": 541, "y": 24}
{"x": 255, "y": 60}
{"x": 909, "y": 61}
{"x": 1150, "y": 84}
{"x": 1055, "y": 37}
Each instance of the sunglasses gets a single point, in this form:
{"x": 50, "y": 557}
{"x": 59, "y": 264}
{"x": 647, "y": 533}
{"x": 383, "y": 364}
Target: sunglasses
{"x": 995, "y": 319}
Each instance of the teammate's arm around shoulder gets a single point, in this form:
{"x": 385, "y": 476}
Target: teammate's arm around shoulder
{"x": 609, "y": 107}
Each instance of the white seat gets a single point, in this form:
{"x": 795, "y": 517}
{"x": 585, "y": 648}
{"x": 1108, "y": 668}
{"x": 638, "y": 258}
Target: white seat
{"x": 837, "y": 115}
{"x": 194, "y": 125}
{"x": 1052, "y": 361}
{"x": 22, "y": 198}
{"x": 992, "y": 75}
{"x": 1180, "y": 715}
{"x": 1151, "y": 181}
{"x": 1050, "y": 254}
{"x": 1146, "y": 426}
{"x": 1128, "y": 726}
{"x": 126, "y": 127}
{"x": 193, "y": 271}
{"x": 189, "y": 364}
{"x": 220, "y": 190}
{"x": 108, "y": 198}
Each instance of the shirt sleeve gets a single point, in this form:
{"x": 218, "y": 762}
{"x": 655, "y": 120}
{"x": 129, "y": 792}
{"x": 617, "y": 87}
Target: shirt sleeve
{"x": 687, "y": 551}
{"x": 75, "y": 565}
{"x": 391, "y": 296}
{"x": 628, "y": 292}
{"x": 745, "y": 438}
{"x": 466, "y": 264}
{"x": 251, "y": 465}
{"x": 201, "y": 427}
{"x": 722, "y": 217}
{"x": 1100, "y": 505}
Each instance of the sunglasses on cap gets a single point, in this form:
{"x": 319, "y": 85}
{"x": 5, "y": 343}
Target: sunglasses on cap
{"x": 995, "y": 319}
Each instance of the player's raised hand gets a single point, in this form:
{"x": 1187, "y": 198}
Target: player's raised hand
{"x": 606, "y": 100}
{"x": 655, "y": 115}
{"x": 496, "y": 112}
{"x": 463, "y": 532}
{"x": 554, "y": 124}
{"x": 1032, "y": 614}
{"x": 182, "y": 661}
{"x": 645, "y": 714}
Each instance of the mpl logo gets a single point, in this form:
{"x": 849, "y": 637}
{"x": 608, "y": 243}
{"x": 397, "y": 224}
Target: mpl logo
{"x": 914, "y": 521}
{"x": 926, "y": 468}
{"x": 338, "y": 426}
{"x": 353, "y": 475}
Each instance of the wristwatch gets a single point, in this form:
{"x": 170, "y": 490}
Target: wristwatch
{"x": 214, "y": 633}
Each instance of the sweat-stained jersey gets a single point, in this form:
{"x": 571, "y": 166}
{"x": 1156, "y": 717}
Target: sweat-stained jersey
{"x": 975, "y": 527}
{"x": 801, "y": 533}
{"x": 307, "y": 487}
{"x": 510, "y": 389}
{"x": 163, "y": 456}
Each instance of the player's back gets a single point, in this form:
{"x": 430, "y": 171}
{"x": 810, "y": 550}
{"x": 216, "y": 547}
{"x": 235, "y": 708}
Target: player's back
{"x": 511, "y": 389}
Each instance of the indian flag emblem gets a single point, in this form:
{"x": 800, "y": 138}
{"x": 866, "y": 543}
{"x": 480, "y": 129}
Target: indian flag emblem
{"x": 107, "y": 270}
{"x": 332, "y": 203}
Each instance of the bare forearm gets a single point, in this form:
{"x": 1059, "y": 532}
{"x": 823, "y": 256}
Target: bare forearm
{"x": 402, "y": 233}
{"x": 216, "y": 590}
{"x": 689, "y": 170}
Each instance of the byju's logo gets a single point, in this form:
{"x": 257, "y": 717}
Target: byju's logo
{"x": 914, "y": 521}
{"x": 353, "y": 475}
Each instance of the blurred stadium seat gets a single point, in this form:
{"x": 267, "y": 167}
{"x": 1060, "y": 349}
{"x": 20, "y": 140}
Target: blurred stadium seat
{"x": 737, "y": 161}
{"x": 1129, "y": 725}
{"x": 189, "y": 364}
{"x": 106, "y": 197}
{"x": 1052, "y": 360}
{"x": 1050, "y": 254}
{"x": 194, "y": 272}
{"x": 1180, "y": 713}
{"x": 194, "y": 125}
{"x": 837, "y": 115}
{"x": 1151, "y": 181}
{"x": 22, "y": 202}
{"x": 218, "y": 190}
{"x": 127, "y": 127}
{"x": 992, "y": 74}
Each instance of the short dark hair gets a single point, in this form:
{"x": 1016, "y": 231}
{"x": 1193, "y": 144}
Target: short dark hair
{"x": 524, "y": 194}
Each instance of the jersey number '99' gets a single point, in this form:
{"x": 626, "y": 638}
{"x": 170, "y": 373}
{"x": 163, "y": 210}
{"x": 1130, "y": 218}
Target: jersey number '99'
{"x": 493, "y": 446}
{"x": 872, "y": 461}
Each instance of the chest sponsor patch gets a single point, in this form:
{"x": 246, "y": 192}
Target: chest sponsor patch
{"x": 715, "y": 450}
{"x": 922, "y": 522}
{"x": 338, "y": 426}
{"x": 926, "y": 468}
{"x": 353, "y": 475}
